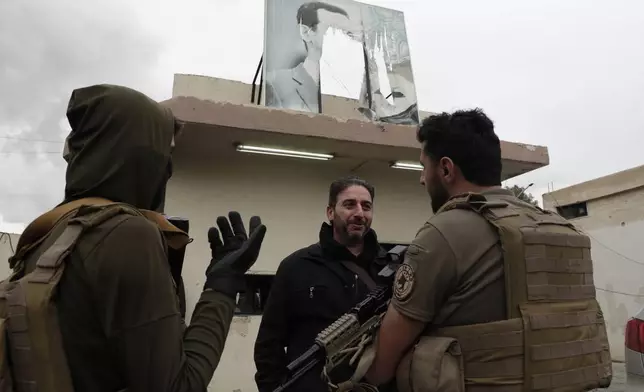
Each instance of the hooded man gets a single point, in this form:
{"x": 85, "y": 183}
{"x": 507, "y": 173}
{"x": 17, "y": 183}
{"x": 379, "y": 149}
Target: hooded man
{"x": 116, "y": 319}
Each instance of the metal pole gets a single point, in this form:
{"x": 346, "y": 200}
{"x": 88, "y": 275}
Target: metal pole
{"x": 252, "y": 91}
{"x": 524, "y": 189}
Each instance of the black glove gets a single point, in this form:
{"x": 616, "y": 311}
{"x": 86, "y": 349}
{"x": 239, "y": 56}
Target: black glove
{"x": 232, "y": 254}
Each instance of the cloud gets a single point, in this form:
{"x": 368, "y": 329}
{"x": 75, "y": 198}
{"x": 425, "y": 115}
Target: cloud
{"x": 48, "y": 49}
{"x": 562, "y": 74}
{"x": 566, "y": 75}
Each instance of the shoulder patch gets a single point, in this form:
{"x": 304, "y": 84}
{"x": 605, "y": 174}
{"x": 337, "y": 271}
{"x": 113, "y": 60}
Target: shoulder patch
{"x": 404, "y": 282}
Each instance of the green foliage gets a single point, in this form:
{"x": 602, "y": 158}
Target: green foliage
{"x": 525, "y": 196}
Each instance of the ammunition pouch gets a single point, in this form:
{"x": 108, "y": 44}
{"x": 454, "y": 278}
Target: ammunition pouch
{"x": 434, "y": 364}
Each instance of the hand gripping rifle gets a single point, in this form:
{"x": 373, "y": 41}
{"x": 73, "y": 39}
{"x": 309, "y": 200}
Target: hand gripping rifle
{"x": 345, "y": 339}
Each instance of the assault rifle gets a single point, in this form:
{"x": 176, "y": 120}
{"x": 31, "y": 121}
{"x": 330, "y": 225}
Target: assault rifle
{"x": 345, "y": 338}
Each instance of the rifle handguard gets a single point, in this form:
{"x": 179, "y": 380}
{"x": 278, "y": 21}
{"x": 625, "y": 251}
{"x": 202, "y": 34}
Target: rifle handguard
{"x": 331, "y": 337}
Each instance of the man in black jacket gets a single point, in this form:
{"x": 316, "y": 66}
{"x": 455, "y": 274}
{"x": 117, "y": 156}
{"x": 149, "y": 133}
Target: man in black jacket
{"x": 317, "y": 284}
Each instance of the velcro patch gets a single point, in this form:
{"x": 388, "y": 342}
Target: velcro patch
{"x": 404, "y": 282}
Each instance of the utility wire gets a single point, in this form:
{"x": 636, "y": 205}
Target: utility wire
{"x": 557, "y": 204}
{"x": 29, "y": 152}
{"x": 22, "y": 139}
{"x": 620, "y": 292}
{"x": 616, "y": 252}
{"x": 31, "y": 140}
{"x": 601, "y": 243}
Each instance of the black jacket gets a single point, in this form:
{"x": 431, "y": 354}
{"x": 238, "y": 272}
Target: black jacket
{"x": 311, "y": 289}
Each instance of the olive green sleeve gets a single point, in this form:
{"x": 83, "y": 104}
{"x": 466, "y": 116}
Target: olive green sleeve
{"x": 138, "y": 309}
{"x": 426, "y": 277}
{"x": 206, "y": 335}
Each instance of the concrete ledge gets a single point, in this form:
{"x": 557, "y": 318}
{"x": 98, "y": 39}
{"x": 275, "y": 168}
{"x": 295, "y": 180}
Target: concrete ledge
{"x": 286, "y": 122}
{"x": 224, "y": 90}
{"x": 597, "y": 188}
{"x": 218, "y": 114}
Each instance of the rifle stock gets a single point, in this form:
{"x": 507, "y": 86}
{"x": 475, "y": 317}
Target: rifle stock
{"x": 334, "y": 345}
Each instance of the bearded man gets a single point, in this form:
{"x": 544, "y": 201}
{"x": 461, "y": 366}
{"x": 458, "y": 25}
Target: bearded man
{"x": 492, "y": 294}
{"x": 315, "y": 285}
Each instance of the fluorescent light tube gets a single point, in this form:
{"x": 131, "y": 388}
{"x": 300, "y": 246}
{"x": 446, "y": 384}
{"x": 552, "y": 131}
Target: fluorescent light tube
{"x": 406, "y": 166}
{"x": 283, "y": 153}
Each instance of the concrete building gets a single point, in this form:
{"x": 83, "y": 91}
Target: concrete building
{"x": 211, "y": 177}
{"x": 610, "y": 210}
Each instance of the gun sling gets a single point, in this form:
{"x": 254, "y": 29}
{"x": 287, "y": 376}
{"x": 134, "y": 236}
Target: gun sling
{"x": 361, "y": 272}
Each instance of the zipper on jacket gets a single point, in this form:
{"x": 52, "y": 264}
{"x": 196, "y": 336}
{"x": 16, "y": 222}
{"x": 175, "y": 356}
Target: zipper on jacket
{"x": 355, "y": 284}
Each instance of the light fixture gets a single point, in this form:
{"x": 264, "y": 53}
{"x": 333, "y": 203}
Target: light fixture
{"x": 283, "y": 153}
{"x": 406, "y": 166}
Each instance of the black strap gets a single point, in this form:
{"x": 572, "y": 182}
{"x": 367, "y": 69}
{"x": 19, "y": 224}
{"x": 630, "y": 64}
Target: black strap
{"x": 362, "y": 274}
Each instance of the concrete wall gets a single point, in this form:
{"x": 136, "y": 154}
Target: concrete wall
{"x": 216, "y": 89}
{"x": 598, "y": 188}
{"x": 8, "y": 243}
{"x": 290, "y": 195}
{"x": 615, "y": 224}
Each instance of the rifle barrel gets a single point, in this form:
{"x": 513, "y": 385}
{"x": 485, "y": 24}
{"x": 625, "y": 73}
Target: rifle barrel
{"x": 312, "y": 352}
{"x": 312, "y": 362}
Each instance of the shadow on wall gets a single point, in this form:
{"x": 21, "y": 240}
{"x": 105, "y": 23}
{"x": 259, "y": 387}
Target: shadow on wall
{"x": 616, "y": 315}
{"x": 7, "y": 240}
{"x": 8, "y": 244}
{"x": 618, "y": 271}
{"x": 615, "y": 312}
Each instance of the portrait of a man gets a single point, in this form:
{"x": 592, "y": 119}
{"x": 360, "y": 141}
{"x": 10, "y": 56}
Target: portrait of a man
{"x": 298, "y": 88}
{"x": 294, "y": 43}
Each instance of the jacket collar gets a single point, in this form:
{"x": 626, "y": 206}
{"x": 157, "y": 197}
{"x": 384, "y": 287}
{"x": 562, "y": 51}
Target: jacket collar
{"x": 335, "y": 251}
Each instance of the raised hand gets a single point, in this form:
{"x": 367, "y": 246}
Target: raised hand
{"x": 233, "y": 252}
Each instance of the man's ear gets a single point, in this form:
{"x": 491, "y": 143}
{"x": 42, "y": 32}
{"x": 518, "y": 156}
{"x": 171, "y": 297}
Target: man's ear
{"x": 305, "y": 32}
{"x": 447, "y": 168}
{"x": 330, "y": 214}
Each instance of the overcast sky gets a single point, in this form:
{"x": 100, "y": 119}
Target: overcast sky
{"x": 565, "y": 74}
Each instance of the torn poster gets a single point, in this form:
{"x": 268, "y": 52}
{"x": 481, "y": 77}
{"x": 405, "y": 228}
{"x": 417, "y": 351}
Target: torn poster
{"x": 338, "y": 47}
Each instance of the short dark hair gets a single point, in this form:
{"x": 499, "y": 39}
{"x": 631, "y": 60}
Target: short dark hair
{"x": 341, "y": 184}
{"x": 307, "y": 14}
{"x": 466, "y": 137}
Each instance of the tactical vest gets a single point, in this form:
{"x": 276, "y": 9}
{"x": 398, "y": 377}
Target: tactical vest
{"x": 555, "y": 336}
{"x": 32, "y": 356}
